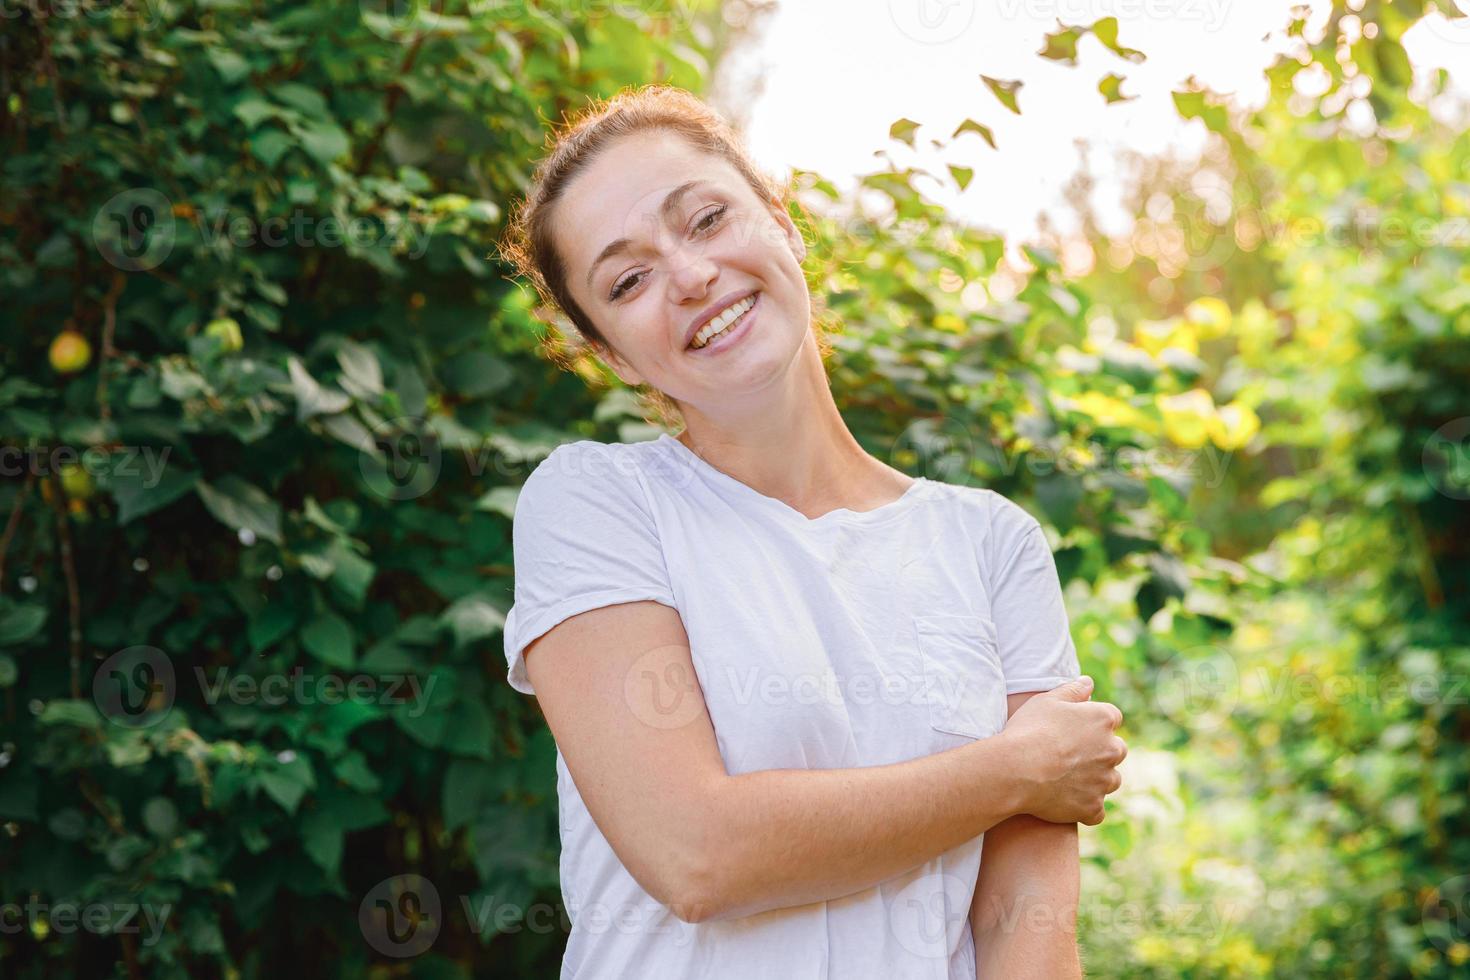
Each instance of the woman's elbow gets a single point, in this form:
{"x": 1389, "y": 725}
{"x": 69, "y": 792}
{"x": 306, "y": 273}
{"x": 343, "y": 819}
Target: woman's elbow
{"x": 692, "y": 877}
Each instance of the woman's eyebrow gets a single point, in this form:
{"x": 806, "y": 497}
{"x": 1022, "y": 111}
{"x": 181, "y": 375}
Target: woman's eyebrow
{"x": 666, "y": 211}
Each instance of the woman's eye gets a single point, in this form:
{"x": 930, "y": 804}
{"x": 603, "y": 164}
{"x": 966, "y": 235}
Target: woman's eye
{"x": 711, "y": 216}
{"x": 707, "y": 221}
{"x": 623, "y": 285}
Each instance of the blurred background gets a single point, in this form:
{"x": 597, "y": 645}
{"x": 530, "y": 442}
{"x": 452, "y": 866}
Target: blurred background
{"x": 1186, "y": 279}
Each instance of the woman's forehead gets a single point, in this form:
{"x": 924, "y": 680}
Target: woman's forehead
{"x": 639, "y": 167}
{"x": 631, "y": 194}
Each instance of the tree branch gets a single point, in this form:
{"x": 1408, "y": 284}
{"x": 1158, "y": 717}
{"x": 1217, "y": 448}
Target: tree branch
{"x": 73, "y": 593}
{"x": 14, "y": 522}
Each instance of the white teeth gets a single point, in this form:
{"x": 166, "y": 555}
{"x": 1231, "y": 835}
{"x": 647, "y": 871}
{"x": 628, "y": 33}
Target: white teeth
{"x": 722, "y": 321}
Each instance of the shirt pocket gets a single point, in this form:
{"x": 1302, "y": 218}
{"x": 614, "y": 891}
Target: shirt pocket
{"x": 965, "y": 685}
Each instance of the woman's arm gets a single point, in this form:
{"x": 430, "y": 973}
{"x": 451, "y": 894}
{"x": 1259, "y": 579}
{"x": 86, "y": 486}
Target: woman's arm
{"x": 1024, "y": 914}
{"x": 618, "y": 689}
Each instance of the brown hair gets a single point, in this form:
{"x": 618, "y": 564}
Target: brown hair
{"x": 528, "y": 244}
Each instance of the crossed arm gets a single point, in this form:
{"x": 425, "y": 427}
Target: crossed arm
{"x": 1024, "y": 913}
{"x": 712, "y": 846}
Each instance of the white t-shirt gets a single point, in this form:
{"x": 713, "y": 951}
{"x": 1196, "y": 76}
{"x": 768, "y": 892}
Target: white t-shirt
{"x": 852, "y": 639}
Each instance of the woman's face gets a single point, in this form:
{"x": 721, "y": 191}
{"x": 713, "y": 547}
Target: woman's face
{"x": 658, "y": 240}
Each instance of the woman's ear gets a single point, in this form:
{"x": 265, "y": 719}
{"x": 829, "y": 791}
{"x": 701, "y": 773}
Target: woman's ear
{"x": 625, "y": 372}
{"x": 793, "y": 237}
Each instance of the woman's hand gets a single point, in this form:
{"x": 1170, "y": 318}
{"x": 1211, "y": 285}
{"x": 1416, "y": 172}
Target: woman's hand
{"x": 1069, "y": 752}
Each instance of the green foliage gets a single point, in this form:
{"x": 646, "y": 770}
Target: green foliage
{"x": 273, "y": 223}
{"x": 1324, "y": 770}
{"x": 252, "y": 594}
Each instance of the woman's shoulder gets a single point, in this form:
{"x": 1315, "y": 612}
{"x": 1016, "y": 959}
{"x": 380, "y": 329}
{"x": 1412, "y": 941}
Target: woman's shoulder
{"x": 586, "y": 469}
{"x": 589, "y": 457}
{"x": 987, "y": 505}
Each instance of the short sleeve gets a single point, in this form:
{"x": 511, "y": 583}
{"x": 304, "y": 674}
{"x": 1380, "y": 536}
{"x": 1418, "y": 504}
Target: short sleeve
{"x": 582, "y": 537}
{"x": 1036, "y": 648}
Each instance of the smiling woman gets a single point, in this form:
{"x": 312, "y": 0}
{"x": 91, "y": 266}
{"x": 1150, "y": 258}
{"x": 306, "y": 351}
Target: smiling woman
{"x": 734, "y": 207}
{"x": 800, "y": 699}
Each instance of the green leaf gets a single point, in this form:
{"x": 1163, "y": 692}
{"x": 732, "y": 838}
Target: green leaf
{"x": 1061, "y": 45}
{"x": 328, "y": 637}
{"x": 322, "y": 841}
{"x": 470, "y": 731}
{"x": 347, "y": 570}
{"x": 1005, "y": 91}
{"x": 160, "y": 817}
{"x": 324, "y": 141}
{"x": 274, "y": 621}
{"x": 307, "y": 100}
{"x": 346, "y": 429}
{"x": 961, "y": 175}
{"x": 1393, "y": 62}
{"x": 230, "y": 65}
{"x": 311, "y": 397}
{"x": 362, "y": 375}
{"x": 269, "y": 145}
{"x": 81, "y": 714}
{"x": 971, "y": 126}
{"x": 138, "y": 493}
{"x": 9, "y": 672}
{"x": 1106, "y": 31}
{"x": 472, "y": 618}
{"x": 903, "y": 131}
{"x": 476, "y": 374}
{"x": 242, "y": 506}
{"x": 20, "y": 793}
{"x": 68, "y": 824}
{"x": 287, "y": 782}
{"x": 469, "y": 787}
{"x": 500, "y": 500}
{"x": 354, "y": 771}
{"x": 1110, "y": 89}
{"x": 20, "y": 621}
{"x": 253, "y": 110}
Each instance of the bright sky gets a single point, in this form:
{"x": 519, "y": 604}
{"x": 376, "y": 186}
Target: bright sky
{"x": 833, "y": 75}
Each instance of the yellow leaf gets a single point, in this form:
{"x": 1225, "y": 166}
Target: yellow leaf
{"x": 1233, "y": 425}
{"x": 1154, "y": 336}
{"x": 1110, "y": 411}
{"x": 1211, "y": 315}
{"x": 1187, "y": 417}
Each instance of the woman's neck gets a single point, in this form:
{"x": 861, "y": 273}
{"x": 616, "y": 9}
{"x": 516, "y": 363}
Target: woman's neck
{"x": 792, "y": 444}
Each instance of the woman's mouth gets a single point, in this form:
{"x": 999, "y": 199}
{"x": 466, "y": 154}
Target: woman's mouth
{"x": 726, "y": 328}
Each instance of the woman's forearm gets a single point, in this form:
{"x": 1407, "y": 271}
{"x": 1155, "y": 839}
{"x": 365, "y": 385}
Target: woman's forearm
{"x": 784, "y": 837}
{"x": 1024, "y": 913}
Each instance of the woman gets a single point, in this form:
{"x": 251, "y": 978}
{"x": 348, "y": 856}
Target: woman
{"x": 783, "y": 677}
